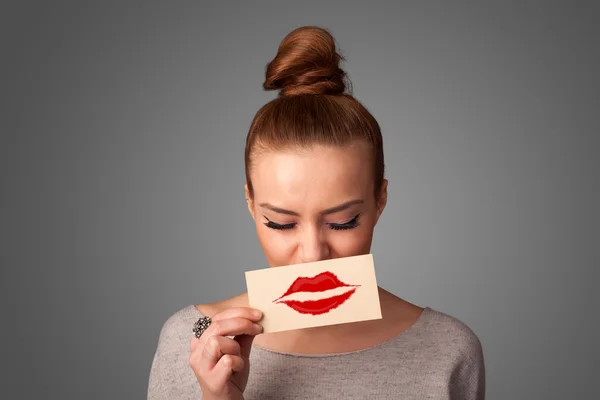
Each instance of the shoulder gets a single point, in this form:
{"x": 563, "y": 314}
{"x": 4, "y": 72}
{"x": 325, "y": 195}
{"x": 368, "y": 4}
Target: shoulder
{"x": 170, "y": 375}
{"x": 454, "y": 337}
{"x": 191, "y": 313}
{"x": 179, "y": 325}
{"x": 458, "y": 347}
{"x": 177, "y": 330}
{"x": 179, "y": 321}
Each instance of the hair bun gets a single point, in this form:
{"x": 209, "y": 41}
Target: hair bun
{"x": 306, "y": 63}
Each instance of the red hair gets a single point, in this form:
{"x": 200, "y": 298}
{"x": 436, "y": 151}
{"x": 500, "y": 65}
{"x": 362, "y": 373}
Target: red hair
{"x": 313, "y": 106}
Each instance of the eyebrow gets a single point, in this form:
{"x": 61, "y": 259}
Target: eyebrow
{"x": 332, "y": 210}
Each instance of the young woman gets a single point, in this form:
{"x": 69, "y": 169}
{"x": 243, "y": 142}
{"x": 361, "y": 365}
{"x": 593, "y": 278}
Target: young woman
{"x": 315, "y": 188}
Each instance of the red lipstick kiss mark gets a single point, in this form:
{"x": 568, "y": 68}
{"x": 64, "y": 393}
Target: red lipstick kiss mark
{"x": 319, "y": 283}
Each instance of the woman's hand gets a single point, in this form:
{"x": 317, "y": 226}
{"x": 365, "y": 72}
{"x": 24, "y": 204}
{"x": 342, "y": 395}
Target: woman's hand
{"x": 221, "y": 364}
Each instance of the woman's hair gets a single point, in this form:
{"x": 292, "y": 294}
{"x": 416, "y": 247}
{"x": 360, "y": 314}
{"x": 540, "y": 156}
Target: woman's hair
{"x": 313, "y": 106}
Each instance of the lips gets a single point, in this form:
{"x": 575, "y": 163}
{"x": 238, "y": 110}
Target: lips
{"x": 299, "y": 294}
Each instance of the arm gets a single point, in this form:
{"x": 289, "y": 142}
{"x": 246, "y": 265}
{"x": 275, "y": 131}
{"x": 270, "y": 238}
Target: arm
{"x": 170, "y": 374}
{"x": 156, "y": 390}
{"x": 468, "y": 378}
{"x": 179, "y": 356}
{"x": 157, "y": 382}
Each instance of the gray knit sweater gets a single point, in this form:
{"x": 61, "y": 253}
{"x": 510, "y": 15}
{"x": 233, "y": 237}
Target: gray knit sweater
{"x": 438, "y": 357}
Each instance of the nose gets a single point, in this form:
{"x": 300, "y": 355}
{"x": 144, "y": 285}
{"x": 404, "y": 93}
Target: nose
{"x": 312, "y": 246}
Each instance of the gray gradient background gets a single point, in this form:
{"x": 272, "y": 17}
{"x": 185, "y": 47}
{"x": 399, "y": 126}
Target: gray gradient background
{"x": 122, "y": 143}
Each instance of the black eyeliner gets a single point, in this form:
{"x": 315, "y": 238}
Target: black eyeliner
{"x": 353, "y": 223}
{"x": 273, "y": 225}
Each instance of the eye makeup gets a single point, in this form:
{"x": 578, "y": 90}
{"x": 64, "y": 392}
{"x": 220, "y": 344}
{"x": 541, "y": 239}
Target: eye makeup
{"x": 273, "y": 225}
{"x": 353, "y": 223}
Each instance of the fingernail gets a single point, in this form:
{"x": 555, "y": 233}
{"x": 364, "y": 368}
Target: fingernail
{"x": 257, "y": 313}
{"x": 258, "y": 327}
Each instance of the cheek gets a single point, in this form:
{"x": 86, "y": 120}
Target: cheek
{"x": 353, "y": 242}
{"x": 278, "y": 246}
{"x": 350, "y": 243}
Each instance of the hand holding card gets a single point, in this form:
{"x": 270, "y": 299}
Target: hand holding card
{"x": 313, "y": 294}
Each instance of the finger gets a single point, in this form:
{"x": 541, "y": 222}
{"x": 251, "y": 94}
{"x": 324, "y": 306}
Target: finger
{"x": 235, "y": 363}
{"x": 239, "y": 312}
{"x": 231, "y": 327}
{"x": 218, "y": 346}
{"x": 226, "y": 366}
{"x": 194, "y": 342}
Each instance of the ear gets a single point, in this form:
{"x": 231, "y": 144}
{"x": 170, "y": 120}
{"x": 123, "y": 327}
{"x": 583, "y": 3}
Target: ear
{"x": 382, "y": 199}
{"x": 249, "y": 201}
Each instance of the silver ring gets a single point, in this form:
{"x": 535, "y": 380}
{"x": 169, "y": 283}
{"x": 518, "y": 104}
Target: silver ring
{"x": 200, "y": 326}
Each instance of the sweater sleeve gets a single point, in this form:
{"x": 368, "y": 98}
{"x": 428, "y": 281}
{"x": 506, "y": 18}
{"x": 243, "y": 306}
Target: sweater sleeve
{"x": 468, "y": 378}
{"x": 156, "y": 389}
{"x": 171, "y": 376}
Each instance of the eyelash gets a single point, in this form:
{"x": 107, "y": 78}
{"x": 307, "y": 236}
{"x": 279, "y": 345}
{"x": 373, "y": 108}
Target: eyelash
{"x": 353, "y": 223}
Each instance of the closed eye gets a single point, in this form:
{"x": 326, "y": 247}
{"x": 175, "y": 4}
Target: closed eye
{"x": 353, "y": 223}
{"x": 274, "y": 225}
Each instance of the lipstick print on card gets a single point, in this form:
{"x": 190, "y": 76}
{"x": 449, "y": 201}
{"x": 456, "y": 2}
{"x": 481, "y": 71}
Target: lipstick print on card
{"x": 313, "y": 294}
{"x": 320, "y": 285}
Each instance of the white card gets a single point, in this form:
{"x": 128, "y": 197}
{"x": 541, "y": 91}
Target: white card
{"x": 313, "y": 294}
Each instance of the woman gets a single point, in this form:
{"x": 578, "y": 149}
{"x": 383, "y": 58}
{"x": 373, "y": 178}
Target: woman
{"x": 315, "y": 148}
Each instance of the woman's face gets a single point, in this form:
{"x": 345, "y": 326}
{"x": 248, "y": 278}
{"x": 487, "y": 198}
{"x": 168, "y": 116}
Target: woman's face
{"x": 314, "y": 204}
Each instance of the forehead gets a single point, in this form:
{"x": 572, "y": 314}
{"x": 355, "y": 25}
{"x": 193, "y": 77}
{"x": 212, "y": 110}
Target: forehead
{"x": 319, "y": 176}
